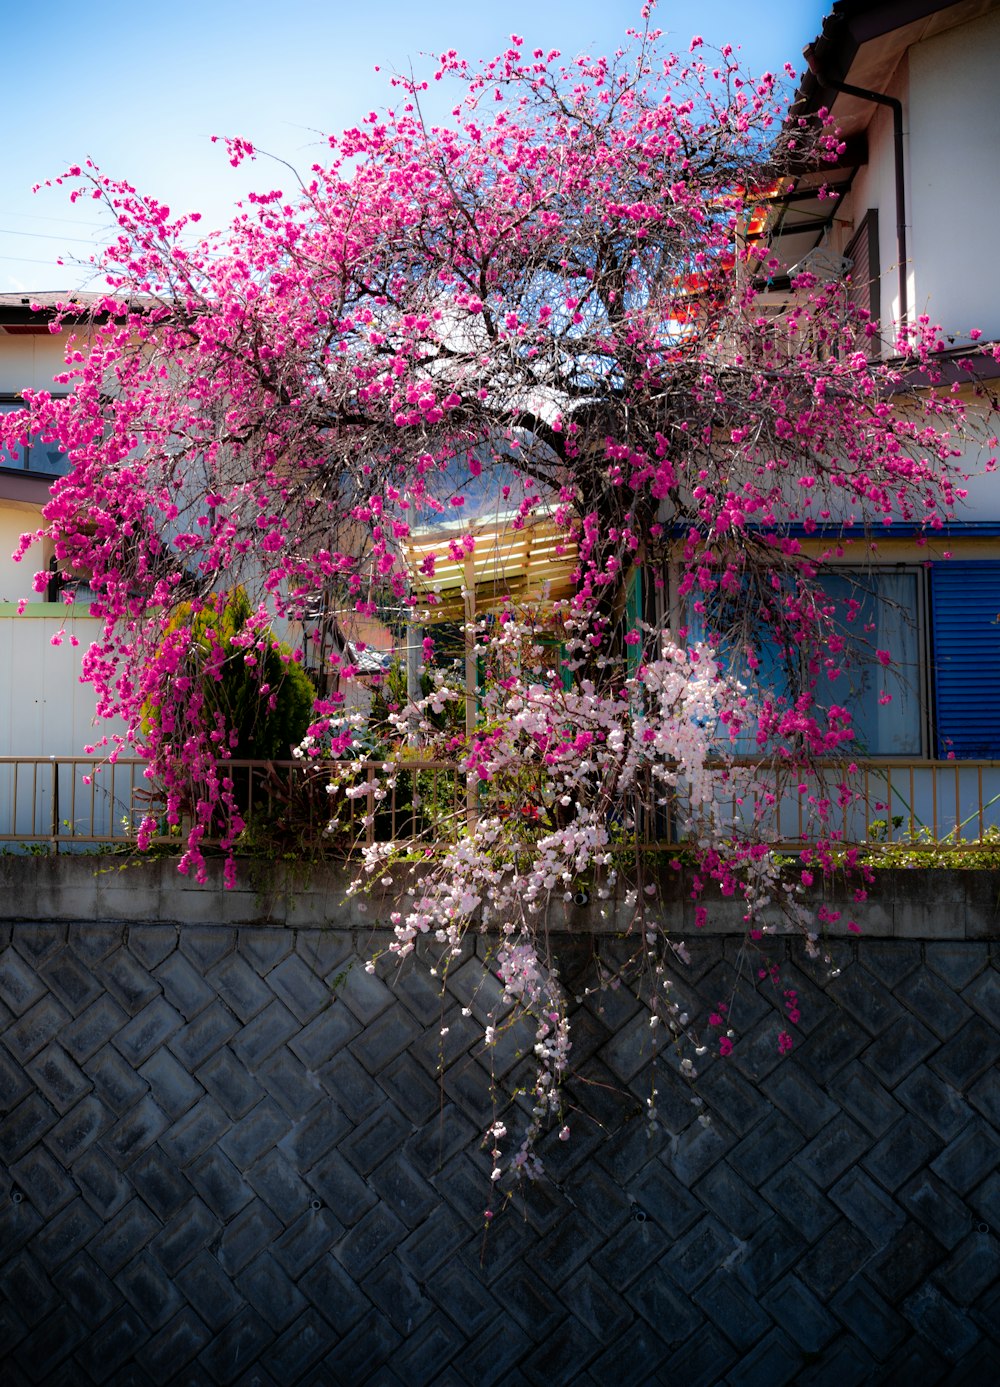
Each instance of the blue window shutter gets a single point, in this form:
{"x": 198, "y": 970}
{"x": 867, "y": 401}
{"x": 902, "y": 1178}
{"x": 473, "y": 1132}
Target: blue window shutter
{"x": 965, "y": 614}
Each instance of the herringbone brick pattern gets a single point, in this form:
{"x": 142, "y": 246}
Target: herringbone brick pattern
{"x": 233, "y": 1156}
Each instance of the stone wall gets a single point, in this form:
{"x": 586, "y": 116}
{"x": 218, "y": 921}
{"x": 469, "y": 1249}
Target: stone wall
{"x": 230, "y": 1155}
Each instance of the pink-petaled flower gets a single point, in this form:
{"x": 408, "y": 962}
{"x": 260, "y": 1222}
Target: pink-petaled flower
{"x": 296, "y": 410}
{"x": 785, "y": 1042}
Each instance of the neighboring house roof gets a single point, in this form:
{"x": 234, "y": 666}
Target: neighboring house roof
{"x": 368, "y": 661}
{"x": 368, "y": 642}
{"x": 29, "y": 314}
{"x": 47, "y": 298}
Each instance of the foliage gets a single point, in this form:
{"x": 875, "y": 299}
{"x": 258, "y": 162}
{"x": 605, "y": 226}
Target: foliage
{"x": 547, "y": 306}
{"x": 256, "y": 694}
{"x": 220, "y": 674}
{"x": 916, "y": 847}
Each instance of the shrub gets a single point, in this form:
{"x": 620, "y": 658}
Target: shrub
{"x": 250, "y": 687}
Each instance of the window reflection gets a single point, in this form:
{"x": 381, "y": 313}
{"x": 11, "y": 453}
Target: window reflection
{"x": 46, "y": 459}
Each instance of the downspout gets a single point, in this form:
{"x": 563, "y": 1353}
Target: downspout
{"x": 896, "y": 106}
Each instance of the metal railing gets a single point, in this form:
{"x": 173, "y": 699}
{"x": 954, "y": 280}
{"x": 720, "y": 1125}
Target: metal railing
{"x": 45, "y": 800}
{"x": 879, "y": 801}
{"x": 67, "y": 803}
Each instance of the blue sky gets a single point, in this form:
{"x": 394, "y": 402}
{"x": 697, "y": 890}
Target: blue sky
{"x": 141, "y": 88}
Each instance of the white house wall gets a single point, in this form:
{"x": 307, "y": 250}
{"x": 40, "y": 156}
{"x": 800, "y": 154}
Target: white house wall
{"x": 44, "y": 708}
{"x": 874, "y": 186}
{"x": 982, "y": 503}
{"x": 30, "y": 362}
{"x": 951, "y": 123}
{"x": 951, "y": 137}
{"x": 16, "y": 578}
{"x": 46, "y": 713}
{"x": 953, "y": 188}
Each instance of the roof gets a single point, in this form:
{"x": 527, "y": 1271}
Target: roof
{"x": 862, "y": 43}
{"x": 47, "y": 300}
{"x": 30, "y": 313}
{"x": 865, "y": 40}
{"x": 367, "y": 661}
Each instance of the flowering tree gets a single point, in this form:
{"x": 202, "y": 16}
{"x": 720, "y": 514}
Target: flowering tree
{"x": 550, "y": 299}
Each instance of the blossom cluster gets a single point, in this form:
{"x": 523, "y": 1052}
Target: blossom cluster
{"x": 537, "y": 313}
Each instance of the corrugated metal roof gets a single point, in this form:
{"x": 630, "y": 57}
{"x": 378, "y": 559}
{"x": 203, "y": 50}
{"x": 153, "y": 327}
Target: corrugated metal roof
{"x": 530, "y": 564}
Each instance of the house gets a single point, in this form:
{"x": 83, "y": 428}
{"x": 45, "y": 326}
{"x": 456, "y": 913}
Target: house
{"x": 333, "y": 638}
{"x": 907, "y": 85}
{"x": 45, "y": 710}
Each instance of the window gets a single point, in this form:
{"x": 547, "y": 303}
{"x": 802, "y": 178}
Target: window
{"x": 45, "y": 459}
{"x": 939, "y": 623}
{"x": 881, "y": 609}
{"x": 864, "y": 288}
